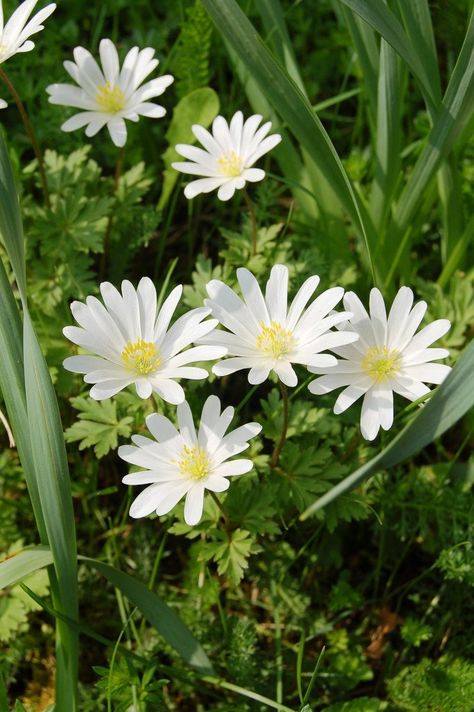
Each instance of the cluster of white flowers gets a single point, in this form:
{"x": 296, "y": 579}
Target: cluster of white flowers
{"x": 134, "y": 344}
{"x": 129, "y": 341}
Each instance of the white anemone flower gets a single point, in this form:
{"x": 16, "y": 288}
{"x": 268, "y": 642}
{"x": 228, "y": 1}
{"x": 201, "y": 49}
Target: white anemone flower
{"x": 389, "y": 357}
{"x": 228, "y": 156}
{"x": 14, "y": 35}
{"x": 134, "y": 344}
{"x": 183, "y": 463}
{"x": 265, "y": 335}
{"x": 108, "y": 95}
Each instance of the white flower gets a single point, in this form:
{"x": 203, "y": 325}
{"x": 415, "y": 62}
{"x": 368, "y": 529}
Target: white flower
{"x": 3, "y": 104}
{"x": 185, "y": 463}
{"x": 133, "y": 343}
{"x": 108, "y": 95}
{"x": 388, "y": 358}
{"x": 266, "y": 335}
{"x": 230, "y": 152}
{"x": 14, "y": 36}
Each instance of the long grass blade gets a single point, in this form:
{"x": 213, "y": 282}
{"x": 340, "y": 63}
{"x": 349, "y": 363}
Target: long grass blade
{"x": 388, "y": 135}
{"x": 293, "y": 107}
{"x": 25, "y": 562}
{"x": 44, "y": 456}
{"x": 456, "y": 110}
{"x": 447, "y": 405}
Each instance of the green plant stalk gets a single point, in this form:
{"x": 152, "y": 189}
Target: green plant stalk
{"x": 284, "y": 428}
{"x": 253, "y": 222}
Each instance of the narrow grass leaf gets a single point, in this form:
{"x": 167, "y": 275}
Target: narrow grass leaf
{"x": 383, "y": 20}
{"x": 388, "y": 135}
{"x": 161, "y": 616}
{"x": 22, "y": 564}
{"x": 447, "y": 405}
{"x": 368, "y": 53}
{"x": 292, "y": 105}
{"x": 455, "y": 113}
{"x": 10, "y": 222}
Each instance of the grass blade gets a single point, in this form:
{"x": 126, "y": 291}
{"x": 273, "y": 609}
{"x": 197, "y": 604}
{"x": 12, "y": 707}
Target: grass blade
{"x": 378, "y": 16}
{"x": 450, "y": 402}
{"x": 388, "y": 135}
{"x": 22, "y": 564}
{"x": 37, "y": 427}
{"x": 292, "y": 105}
{"x": 161, "y": 616}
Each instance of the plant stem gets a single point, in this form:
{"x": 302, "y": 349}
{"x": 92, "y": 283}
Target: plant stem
{"x": 279, "y": 446}
{"x": 108, "y": 229}
{"x": 11, "y": 439}
{"x": 31, "y": 134}
{"x": 253, "y": 221}
{"x": 221, "y": 508}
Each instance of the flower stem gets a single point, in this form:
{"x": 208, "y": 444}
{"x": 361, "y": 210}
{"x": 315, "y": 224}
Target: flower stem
{"x": 279, "y": 446}
{"x": 11, "y": 439}
{"x": 31, "y": 134}
{"x": 221, "y": 508}
{"x": 253, "y": 220}
{"x": 108, "y": 229}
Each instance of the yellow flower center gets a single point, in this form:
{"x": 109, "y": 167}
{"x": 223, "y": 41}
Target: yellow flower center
{"x": 141, "y": 356}
{"x": 274, "y": 340}
{"x": 381, "y": 363}
{"x": 110, "y": 99}
{"x": 194, "y": 463}
{"x": 230, "y": 164}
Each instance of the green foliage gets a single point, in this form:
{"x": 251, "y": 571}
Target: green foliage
{"x": 128, "y": 684}
{"x": 231, "y": 552}
{"x": 414, "y": 632}
{"x": 15, "y": 604}
{"x": 443, "y": 686}
{"x": 360, "y": 704}
{"x": 242, "y": 651}
{"x": 98, "y": 425}
{"x": 190, "y": 63}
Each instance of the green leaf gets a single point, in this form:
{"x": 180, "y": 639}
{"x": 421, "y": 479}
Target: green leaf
{"x": 448, "y": 404}
{"x": 98, "y": 425}
{"x": 11, "y": 228}
{"x": 201, "y": 106}
{"x": 231, "y": 553}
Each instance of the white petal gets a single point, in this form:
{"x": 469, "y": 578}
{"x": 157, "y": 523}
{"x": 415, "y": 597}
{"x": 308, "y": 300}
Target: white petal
{"x": 258, "y": 374}
{"x": 166, "y": 312}
{"x": 186, "y": 424}
{"x": 350, "y": 394}
{"x": 233, "y": 468}
{"x": 369, "y": 417}
{"x": 253, "y": 296}
{"x": 161, "y": 427}
{"x": 101, "y": 391}
{"x": 378, "y": 316}
{"x": 172, "y": 493}
{"x": 193, "y": 505}
{"x": 203, "y": 185}
{"x": 167, "y": 389}
{"x": 398, "y": 316}
{"x": 143, "y": 387}
{"x": 83, "y": 364}
{"x": 215, "y": 483}
{"x": 276, "y": 293}
{"x": 286, "y": 373}
{"x": 427, "y": 372}
{"x": 303, "y": 296}
{"x": 109, "y": 60}
{"x": 384, "y": 400}
{"x": 326, "y": 384}
{"x": 426, "y": 336}
{"x": 117, "y": 131}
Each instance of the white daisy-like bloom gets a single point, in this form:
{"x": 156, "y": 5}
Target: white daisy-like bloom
{"x": 108, "y": 95}
{"x": 14, "y": 35}
{"x": 133, "y": 344}
{"x": 389, "y": 357}
{"x": 265, "y": 335}
{"x": 228, "y": 155}
{"x": 182, "y": 463}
